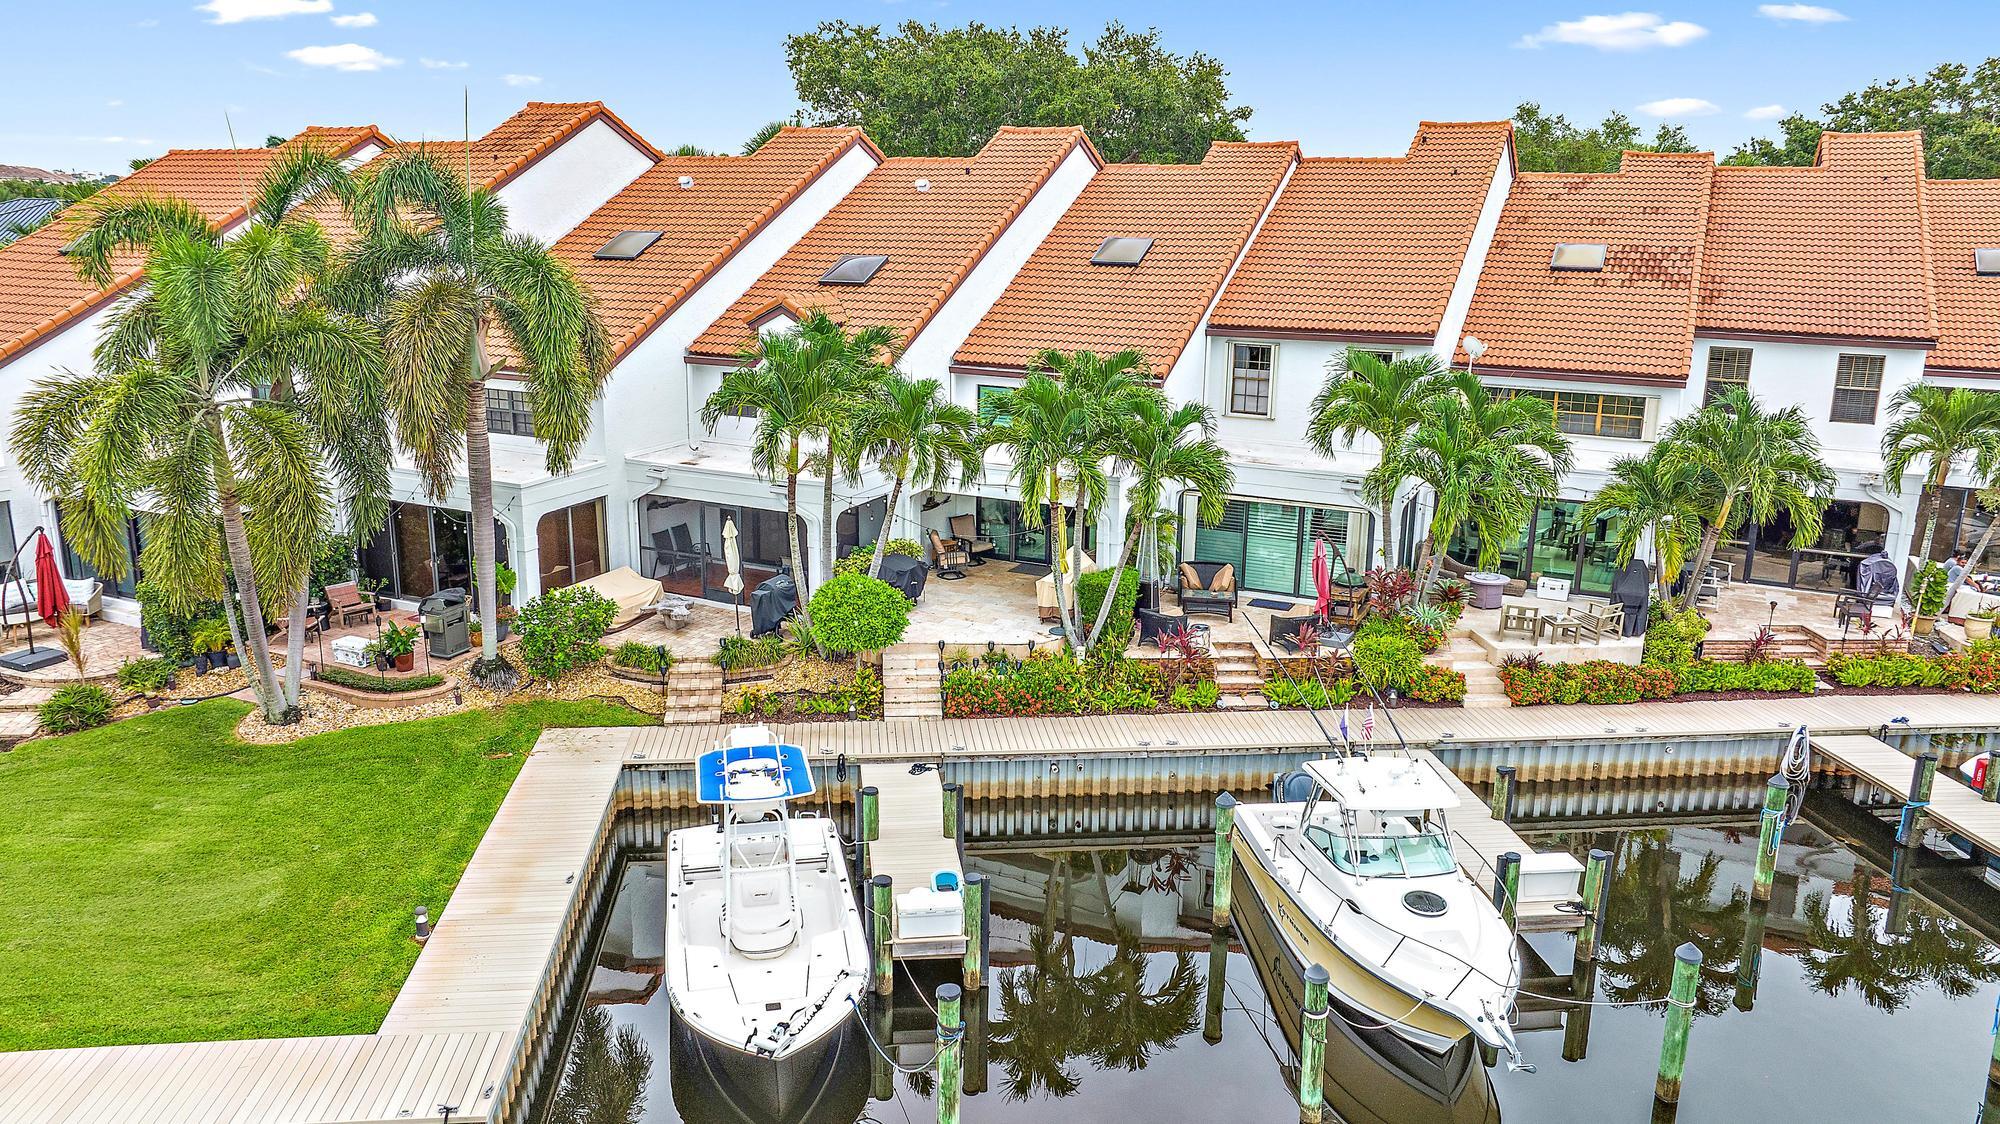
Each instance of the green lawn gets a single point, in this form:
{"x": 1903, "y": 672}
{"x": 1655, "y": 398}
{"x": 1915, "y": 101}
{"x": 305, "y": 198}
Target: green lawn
{"x": 161, "y": 881}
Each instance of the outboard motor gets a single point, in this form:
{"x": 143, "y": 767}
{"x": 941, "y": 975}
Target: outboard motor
{"x": 1292, "y": 787}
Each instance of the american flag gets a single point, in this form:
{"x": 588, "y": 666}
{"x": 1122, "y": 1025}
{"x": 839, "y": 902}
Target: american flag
{"x": 1368, "y": 724}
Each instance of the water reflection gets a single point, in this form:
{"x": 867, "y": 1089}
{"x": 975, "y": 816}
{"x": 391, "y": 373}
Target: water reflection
{"x": 606, "y": 1079}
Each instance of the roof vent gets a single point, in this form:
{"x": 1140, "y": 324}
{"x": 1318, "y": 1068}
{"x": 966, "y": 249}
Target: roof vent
{"x": 1585, "y": 257}
{"x": 686, "y": 182}
{"x": 1121, "y": 251}
{"x": 922, "y": 185}
{"x": 1986, "y": 263}
{"x": 627, "y": 244}
{"x": 853, "y": 269}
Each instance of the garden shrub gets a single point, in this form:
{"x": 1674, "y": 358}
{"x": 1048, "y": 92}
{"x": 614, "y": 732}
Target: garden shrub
{"x": 560, "y": 630}
{"x": 379, "y": 684}
{"x": 1196, "y": 696}
{"x": 76, "y": 706}
{"x": 148, "y": 676}
{"x": 1386, "y": 661}
{"x": 1053, "y": 683}
{"x": 863, "y": 694}
{"x": 1767, "y": 675}
{"x": 649, "y": 658}
{"x": 863, "y": 557}
{"x": 856, "y": 613}
{"x": 736, "y": 653}
{"x": 1437, "y": 684}
{"x": 1671, "y": 637}
{"x": 1593, "y": 681}
{"x": 169, "y": 631}
{"x": 1977, "y": 671}
{"x": 1090, "y": 589}
{"x": 1309, "y": 692}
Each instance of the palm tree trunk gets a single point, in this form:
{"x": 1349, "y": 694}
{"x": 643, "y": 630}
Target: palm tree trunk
{"x": 295, "y": 645}
{"x": 237, "y": 543}
{"x": 882, "y": 536}
{"x": 1388, "y": 513}
{"x": 1711, "y": 535}
{"x": 1935, "y": 501}
{"x": 1972, "y": 563}
{"x": 1061, "y": 564}
{"x": 490, "y": 670}
{"x": 792, "y": 529}
{"x": 1111, "y": 591}
{"x": 826, "y": 534}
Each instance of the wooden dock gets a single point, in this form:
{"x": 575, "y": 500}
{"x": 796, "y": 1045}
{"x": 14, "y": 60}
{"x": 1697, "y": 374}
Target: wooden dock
{"x": 1486, "y": 839}
{"x": 913, "y": 846}
{"x": 1953, "y": 806}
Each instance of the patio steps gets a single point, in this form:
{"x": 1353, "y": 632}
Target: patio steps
{"x": 694, "y": 693}
{"x": 910, "y": 686}
{"x": 1482, "y": 680}
{"x": 27, "y": 700}
{"x": 1237, "y": 671}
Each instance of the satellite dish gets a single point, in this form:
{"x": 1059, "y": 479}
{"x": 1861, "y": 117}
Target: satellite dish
{"x": 1474, "y": 347}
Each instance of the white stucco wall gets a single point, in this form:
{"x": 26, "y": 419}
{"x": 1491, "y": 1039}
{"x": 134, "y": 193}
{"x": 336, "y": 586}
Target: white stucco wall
{"x": 556, "y": 192}
{"x": 1460, "y": 301}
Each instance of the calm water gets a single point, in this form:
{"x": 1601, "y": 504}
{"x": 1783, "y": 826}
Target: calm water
{"x": 1104, "y": 975}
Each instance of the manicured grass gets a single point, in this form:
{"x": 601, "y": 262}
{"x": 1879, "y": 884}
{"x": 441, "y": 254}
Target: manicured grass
{"x": 161, "y": 881}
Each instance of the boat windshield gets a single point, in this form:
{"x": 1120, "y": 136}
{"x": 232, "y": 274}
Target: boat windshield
{"x": 1407, "y": 849}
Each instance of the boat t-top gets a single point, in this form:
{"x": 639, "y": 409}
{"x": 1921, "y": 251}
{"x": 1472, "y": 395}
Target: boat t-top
{"x": 766, "y": 955}
{"x": 1361, "y": 878}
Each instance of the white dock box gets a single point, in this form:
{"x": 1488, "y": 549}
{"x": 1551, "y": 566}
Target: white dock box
{"x": 924, "y": 912}
{"x": 1550, "y": 876}
{"x": 349, "y": 650}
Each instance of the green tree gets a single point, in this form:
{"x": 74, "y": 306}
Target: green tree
{"x": 1798, "y": 147}
{"x": 1653, "y": 496}
{"x": 761, "y": 136}
{"x": 1940, "y": 427}
{"x": 43, "y": 189}
{"x": 458, "y": 298}
{"x": 1752, "y": 463}
{"x": 228, "y": 392}
{"x": 1548, "y": 142}
{"x": 914, "y": 432}
{"x": 1156, "y": 445}
{"x": 1362, "y": 394}
{"x": 929, "y": 90}
{"x": 1487, "y": 461}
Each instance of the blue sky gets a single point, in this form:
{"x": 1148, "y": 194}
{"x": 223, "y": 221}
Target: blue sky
{"x": 131, "y": 79}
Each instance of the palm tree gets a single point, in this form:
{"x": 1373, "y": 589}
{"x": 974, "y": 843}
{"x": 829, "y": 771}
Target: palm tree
{"x": 1941, "y": 426}
{"x": 1156, "y": 445}
{"x": 1749, "y": 462}
{"x": 1487, "y": 461}
{"x": 913, "y": 430}
{"x": 459, "y": 298}
{"x": 1652, "y": 496}
{"x": 1363, "y": 394}
{"x": 173, "y": 414}
{"x": 801, "y": 383}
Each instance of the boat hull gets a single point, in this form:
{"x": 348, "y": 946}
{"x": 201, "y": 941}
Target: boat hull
{"x": 716, "y": 1083}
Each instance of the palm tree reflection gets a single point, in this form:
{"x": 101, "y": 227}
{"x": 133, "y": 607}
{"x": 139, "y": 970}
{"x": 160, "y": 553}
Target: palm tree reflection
{"x": 1654, "y": 907}
{"x": 606, "y": 1079}
{"x": 1934, "y": 950}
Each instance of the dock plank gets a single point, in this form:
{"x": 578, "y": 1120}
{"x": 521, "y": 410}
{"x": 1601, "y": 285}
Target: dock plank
{"x": 1953, "y": 805}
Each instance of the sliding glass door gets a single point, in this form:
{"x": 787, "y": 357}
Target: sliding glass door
{"x": 1271, "y": 544}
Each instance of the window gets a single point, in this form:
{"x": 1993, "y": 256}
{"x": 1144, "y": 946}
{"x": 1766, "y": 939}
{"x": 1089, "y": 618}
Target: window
{"x": 1986, "y": 263}
{"x": 1590, "y": 415}
{"x": 571, "y": 543}
{"x": 1121, "y": 251}
{"x": 627, "y": 244}
{"x": 1857, "y": 386}
{"x": 989, "y": 404}
{"x": 507, "y": 412}
{"x": 1586, "y": 257}
{"x": 1250, "y": 379}
{"x": 1270, "y": 544}
{"x": 1728, "y": 367}
{"x": 854, "y": 269}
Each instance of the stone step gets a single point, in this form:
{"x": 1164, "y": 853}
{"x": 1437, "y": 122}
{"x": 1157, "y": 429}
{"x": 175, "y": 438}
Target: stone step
{"x": 26, "y": 700}
{"x": 1486, "y": 703}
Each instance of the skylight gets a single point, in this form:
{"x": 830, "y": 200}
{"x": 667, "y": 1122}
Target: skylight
{"x": 627, "y": 244}
{"x": 1121, "y": 251}
{"x": 854, "y": 269}
{"x": 1582, "y": 256}
{"x": 1986, "y": 263}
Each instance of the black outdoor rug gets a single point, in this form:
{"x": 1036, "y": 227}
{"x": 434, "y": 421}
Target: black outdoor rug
{"x": 1028, "y": 568}
{"x": 1267, "y": 603}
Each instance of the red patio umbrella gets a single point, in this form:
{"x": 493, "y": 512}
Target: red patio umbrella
{"x": 1322, "y": 581}
{"x": 51, "y": 597}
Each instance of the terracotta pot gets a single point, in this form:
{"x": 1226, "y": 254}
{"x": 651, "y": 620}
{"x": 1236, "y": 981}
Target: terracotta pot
{"x": 1978, "y": 628}
{"x": 1921, "y": 625}
{"x": 406, "y": 661}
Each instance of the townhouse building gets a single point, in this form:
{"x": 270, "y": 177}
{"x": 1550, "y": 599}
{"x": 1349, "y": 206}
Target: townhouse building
{"x": 1626, "y": 298}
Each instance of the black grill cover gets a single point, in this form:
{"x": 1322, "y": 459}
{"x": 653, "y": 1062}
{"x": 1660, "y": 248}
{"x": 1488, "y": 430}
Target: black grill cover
{"x": 907, "y": 574}
{"x": 771, "y": 603}
{"x": 1633, "y": 588}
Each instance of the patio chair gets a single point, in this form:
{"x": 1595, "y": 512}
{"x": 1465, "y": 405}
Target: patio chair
{"x": 1208, "y": 587}
{"x": 1599, "y": 620}
{"x": 965, "y": 531}
{"x": 346, "y": 604}
{"x": 1153, "y": 625}
{"x": 674, "y": 553}
{"x": 1516, "y": 616}
{"x": 951, "y": 560}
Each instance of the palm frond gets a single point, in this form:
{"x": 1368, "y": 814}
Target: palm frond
{"x": 103, "y": 227}
{"x": 284, "y": 490}
{"x": 427, "y": 330}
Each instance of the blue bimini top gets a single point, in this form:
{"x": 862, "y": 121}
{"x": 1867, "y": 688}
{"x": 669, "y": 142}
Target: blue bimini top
{"x": 755, "y": 772}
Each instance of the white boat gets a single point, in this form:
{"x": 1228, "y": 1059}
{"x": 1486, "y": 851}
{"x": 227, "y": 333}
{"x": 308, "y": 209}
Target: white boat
{"x": 1360, "y": 878}
{"x": 766, "y": 955}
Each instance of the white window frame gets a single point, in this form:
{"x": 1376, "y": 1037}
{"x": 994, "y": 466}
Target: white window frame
{"x": 1881, "y": 379}
{"x": 1270, "y": 382}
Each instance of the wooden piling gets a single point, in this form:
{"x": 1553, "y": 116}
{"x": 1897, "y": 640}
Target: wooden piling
{"x": 950, "y": 1043}
{"x": 1770, "y": 831}
{"x": 1507, "y": 886}
{"x": 1576, "y": 1020}
{"x": 1501, "y": 800}
{"x": 1596, "y": 902}
{"x": 1910, "y": 831}
{"x": 1218, "y": 983}
{"x": 974, "y": 895}
{"x": 976, "y": 1035}
{"x": 1989, "y": 788}
{"x": 1680, "y": 1013}
{"x": 954, "y": 807}
{"x": 881, "y": 1027}
{"x": 1312, "y": 1047}
{"x": 1225, "y": 822}
{"x": 1750, "y": 960}
{"x": 868, "y": 827}
{"x": 882, "y": 910}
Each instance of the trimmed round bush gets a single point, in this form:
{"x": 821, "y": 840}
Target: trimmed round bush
{"x": 857, "y": 613}
{"x": 1384, "y": 661}
{"x": 77, "y": 706}
{"x": 560, "y": 630}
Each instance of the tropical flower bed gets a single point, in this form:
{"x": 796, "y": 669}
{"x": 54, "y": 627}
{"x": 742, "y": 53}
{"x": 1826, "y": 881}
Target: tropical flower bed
{"x": 1429, "y": 685}
{"x": 1530, "y": 682}
{"x": 1977, "y": 671}
{"x": 804, "y": 689}
{"x": 1057, "y": 683}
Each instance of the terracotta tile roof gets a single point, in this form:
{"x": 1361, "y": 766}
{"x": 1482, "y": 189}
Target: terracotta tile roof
{"x": 1199, "y": 217}
{"x": 1635, "y": 318}
{"x": 1369, "y": 246}
{"x": 1964, "y": 216}
{"x": 932, "y": 238}
{"x": 1835, "y": 249}
{"x": 701, "y": 227}
{"x": 510, "y": 147}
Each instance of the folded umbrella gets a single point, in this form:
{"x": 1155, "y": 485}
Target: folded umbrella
{"x": 51, "y": 596}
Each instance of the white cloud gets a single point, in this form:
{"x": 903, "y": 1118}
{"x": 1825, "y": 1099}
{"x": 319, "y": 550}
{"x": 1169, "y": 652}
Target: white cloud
{"x": 1679, "y": 107}
{"x": 114, "y": 140}
{"x": 522, "y": 79}
{"x": 1628, "y": 31}
{"x": 1801, "y": 13}
{"x": 114, "y": 103}
{"x": 358, "y": 19}
{"x": 238, "y": 11}
{"x": 1765, "y": 112}
{"x": 343, "y": 56}
{"x": 442, "y": 64}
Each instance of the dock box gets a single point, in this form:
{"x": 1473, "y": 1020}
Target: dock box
{"x": 1550, "y": 876}
{"x": 924, "y": 912}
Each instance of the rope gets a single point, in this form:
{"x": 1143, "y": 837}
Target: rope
{"x": 869, "y": 1034}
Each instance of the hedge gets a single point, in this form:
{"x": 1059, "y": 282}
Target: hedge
{"x": 1593, "y": 681}
{"x": 379, "y": 684}
{"x": 1977, "y": 672}
{"x": 1090, "y": 598}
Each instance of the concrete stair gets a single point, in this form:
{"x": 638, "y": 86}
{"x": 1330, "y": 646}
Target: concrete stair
{"x": 27, "y": 700}
{"x": 910, "y": 684}
{"x": 1482, "y": 680}
{"x": 694, "y": 693}
{"x": 1236, "y": 669}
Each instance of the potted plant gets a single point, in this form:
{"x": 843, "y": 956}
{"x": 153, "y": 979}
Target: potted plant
{"x": 1979, "y": 625}
{"x": 209, "y": 639}
{"x": 397, "y": 646}
{"x": 1927, "y": 597}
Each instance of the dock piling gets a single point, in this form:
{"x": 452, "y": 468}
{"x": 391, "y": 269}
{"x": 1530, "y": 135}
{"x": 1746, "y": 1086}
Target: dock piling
{"x": 976, "y": 1035}
{"x": 1312, "y": 1047}
{"x": 1576, "y": 1020}
{"x": 950, "y": 1042}
{"x": 974, "y": 973}
{"x": 1218, "y": 981}
{"x": 1501, "y": 801}
{"x": 882, "y": 911}
{"x": 868, "y": 826}
{"x": 1770, "y": 832}
{"x": 1989, "y": 789}
{"x": 1680, "y": 1013}
{"x": 881, "y": 1070}
{"x": 1225, "y": 822}
{"x": 1507, "y": 887}
{"x": 954, "y": 809}
{"x": 1910, "y": 831}
{"x": 1596, "y": 902}
{"x": 1750, "y": 961}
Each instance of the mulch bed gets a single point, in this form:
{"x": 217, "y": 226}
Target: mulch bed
{"x": 1837, "y": 689}
{"x": 1733, "y": 696}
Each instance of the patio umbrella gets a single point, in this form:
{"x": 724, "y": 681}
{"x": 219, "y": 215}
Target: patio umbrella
{"x": 732, "y": 560}
{"x": 1322, "y": 581}
{"x": 51, "y": 597}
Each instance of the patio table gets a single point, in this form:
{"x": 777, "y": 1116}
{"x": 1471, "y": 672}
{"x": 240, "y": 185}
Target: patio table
{"x": 1559, "y": 626}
